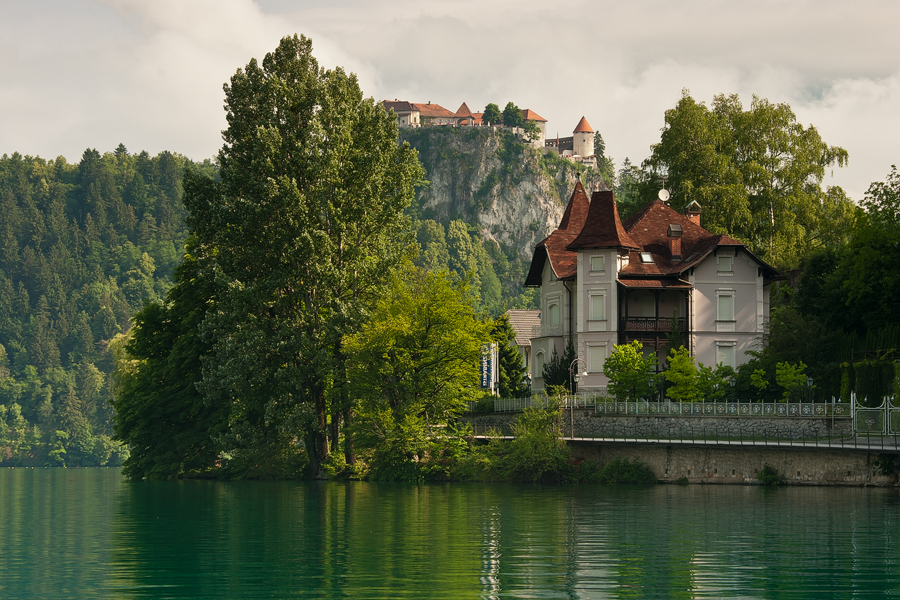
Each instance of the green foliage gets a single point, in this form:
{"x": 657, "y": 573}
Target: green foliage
{"x": 413, "y": 367}
{"x": 492, "y": 115}
{"x": 683, "y": 376}
{"x": 791, "y": 377}
{"x": 757, "y": 174}
{"x": 768, "y": 476}
{"x": 512, "y": 369}
{"x": 512, "y": 116}
{"x": 758, "y": 379}
{"x": 82, "y": 247}
{"x": 307, "y": 227}
{"x": 537, "y": 454}
{"x": 619, "y": 470}
{"x": 160, "y": 413}
{"x": 556, "y": 370}
{"x": 630, "y": 372}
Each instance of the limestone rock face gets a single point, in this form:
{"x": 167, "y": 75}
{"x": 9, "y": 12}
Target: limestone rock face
{"x": 515, "y": 193}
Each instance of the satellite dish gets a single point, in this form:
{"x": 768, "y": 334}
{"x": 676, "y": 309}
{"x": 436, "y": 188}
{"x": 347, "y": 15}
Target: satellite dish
{"x": 663, "y": 195}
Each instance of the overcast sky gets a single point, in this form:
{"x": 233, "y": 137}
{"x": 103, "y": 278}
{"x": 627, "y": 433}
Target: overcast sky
{"x": 148, "y": 73}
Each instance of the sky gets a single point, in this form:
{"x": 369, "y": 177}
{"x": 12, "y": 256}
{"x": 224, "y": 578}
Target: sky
{"x": 77, "y": 74}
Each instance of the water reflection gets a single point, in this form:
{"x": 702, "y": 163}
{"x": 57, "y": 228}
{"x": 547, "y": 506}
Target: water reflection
{"x": 89, "y": 534}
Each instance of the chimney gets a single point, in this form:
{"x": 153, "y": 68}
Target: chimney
{"x": 693, "y": 211}
{"x": 674, "y": 234}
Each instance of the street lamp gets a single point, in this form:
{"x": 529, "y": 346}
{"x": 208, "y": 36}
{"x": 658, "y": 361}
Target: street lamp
{"x": 573, "y": 379}
{"x": 809, "y": 383}
{"x": 733, "y": 383}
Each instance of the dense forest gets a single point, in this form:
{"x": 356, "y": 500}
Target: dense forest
{"x": 84, "y": 246}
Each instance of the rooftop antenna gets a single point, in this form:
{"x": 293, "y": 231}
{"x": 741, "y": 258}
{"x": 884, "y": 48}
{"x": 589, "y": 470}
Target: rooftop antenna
{"x": 663, "y": 194}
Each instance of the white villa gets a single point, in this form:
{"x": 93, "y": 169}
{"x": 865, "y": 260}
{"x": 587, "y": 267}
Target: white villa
{"x": 604, "y": 282}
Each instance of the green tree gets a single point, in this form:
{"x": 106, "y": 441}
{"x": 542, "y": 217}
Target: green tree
{"x": 433, "y": 242}
{"x": 791, "y": 377}
{"x": 512, "y": 369}
{"x": 307, "y": 223}
{"x": 415, "y": 364}
{"x": 160, "y": 413}
{"x": 757, "y": 175}
{"x": 556, "y": 370}
{"x": 682, "y": 375}
{"x": 492, "y": 115}
{"x": 512, "y": 116}
{"x": 630, "y": 373}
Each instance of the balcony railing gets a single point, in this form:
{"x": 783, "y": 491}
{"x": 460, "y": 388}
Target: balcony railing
{"x": 539, "y": 331}
{"x": 650, "y": 324}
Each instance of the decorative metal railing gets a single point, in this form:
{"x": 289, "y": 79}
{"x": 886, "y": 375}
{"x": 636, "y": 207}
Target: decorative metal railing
{"x": 650, "y": 324}
{"x": 607, "y": 406}
{"x": 539, "y": 331}
{"x": 876, "y": 420}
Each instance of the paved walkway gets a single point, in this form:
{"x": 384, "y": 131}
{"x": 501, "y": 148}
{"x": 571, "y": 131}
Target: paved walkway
{"x": 862, "y": 444}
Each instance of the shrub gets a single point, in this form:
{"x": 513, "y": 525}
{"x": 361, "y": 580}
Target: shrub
{"x": 768, "y": 476}
{"x": 620, "y": 470}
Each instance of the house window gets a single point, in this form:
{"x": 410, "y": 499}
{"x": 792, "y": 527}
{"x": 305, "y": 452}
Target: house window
{"x": 725, "y": 354}
{"x": 598, "y": 263}
{"x": 596, "y": 356}
{"x": 725, "y": 266}
{"x": 725, "y": 310}
{"x": 553, "y": 313}
{"x": 538, "y": 365}
{"x": 598, "y": 307}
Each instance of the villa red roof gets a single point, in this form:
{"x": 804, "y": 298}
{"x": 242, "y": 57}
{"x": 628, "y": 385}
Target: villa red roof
{"x": 603, "y": 228}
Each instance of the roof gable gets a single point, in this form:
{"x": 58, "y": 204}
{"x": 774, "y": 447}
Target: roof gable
{"x": 463, "y": 111}
{"x": 603, "y": 228}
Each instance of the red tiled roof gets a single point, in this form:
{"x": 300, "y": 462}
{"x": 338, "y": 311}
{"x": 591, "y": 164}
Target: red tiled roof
{"x": 603, "y": 228}
{"x": 431, "y": 110}
{"x": 477, "y": 117}
{"x": 530, "y": 115}
{"x": 649, "y": 228}
{"x": 398, "y": 106}
{"x": 463, "y": 111}
{"x": 583, "y": 127}
{"x": 563, "y": 262}
{"x": 576, "y": 210}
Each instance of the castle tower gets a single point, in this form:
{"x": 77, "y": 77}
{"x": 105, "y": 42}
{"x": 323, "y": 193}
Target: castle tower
{"x": 583, "y": 139}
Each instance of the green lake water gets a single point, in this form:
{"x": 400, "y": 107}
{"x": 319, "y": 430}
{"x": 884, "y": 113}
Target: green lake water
{"x": 88, "y": 533}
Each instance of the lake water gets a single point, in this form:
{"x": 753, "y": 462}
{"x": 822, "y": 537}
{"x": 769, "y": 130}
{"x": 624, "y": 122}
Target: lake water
{"x": 87, "y": 533}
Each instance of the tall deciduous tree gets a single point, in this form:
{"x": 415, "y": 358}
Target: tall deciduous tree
{"x": 757, "y": 174}
{"x": 307, "y": 223}
{"x": 512, "y": 116}
{"x": 415, "y": 363}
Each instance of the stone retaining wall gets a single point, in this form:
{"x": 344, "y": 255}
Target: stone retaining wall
{"x": 586, "y": 423}
{"x": 740, "y": 465}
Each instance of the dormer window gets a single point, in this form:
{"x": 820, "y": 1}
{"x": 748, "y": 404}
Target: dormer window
{"x": 646, "y": 257}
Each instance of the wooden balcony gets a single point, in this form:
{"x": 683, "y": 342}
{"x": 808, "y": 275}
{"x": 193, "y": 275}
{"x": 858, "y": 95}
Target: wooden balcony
{"x": 651, "y": 324}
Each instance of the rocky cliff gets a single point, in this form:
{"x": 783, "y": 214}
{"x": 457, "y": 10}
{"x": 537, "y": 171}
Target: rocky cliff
{"x": 515, "y": 194}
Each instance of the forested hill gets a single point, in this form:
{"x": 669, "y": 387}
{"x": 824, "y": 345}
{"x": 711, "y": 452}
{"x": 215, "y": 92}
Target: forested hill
{"x": 82, "y": 247}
